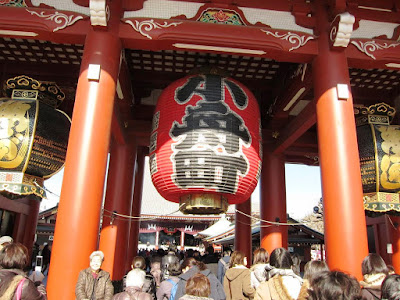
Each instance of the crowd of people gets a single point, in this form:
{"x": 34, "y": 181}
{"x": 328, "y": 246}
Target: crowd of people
{"x": 191, "y": 276}
{"x": 186, "y": 276}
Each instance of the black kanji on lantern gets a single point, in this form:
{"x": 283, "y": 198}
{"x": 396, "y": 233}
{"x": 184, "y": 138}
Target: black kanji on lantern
{"x": 208, "y": 152}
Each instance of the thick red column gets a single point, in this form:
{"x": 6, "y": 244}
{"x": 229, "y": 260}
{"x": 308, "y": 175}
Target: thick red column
{"x": 115, "y": 231}
{"x": 31, "y": 222}
{"x": 243, "y": 229}
{"x": 136, "y": 206}
{"x": 273, "y": 202}
{"x": 393, "y": 226}
{"x": 345, "y": 227}
{"x": 77, "y": 228}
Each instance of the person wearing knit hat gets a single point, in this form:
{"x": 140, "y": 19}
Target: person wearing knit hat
{"x": 5, "y": 240}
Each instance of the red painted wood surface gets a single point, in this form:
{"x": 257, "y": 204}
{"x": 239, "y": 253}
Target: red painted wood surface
{"x": 345, "y": 227}
{"x": 114, "y": 237}
{"x": 136, "y": 207}
{"x": 76, "y": 231}
{"x": 273, "y": 202}
{"x": 243, "y": 240}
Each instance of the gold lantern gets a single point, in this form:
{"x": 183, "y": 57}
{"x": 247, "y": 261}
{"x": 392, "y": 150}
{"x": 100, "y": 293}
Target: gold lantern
{"x": 379, "y": 149}
{"x": 33, "y": 135}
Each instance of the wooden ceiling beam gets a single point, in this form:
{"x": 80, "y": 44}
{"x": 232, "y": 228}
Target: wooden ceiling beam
{"x": 297, "y": 86}
{"x": 295, "y": 129}
{"x": 300, "y": 151}
{"x": 118, "y": 127}
{"x": 139, "y": 128}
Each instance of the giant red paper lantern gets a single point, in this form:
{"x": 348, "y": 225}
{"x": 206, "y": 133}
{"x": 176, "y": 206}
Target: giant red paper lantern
{"x": 205, "y": 148}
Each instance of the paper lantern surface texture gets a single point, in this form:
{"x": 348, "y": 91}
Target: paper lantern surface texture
{"x": 206, "y": 139}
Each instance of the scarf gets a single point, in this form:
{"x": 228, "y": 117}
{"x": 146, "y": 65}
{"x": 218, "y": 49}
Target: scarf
{"x": 373, "y": 281}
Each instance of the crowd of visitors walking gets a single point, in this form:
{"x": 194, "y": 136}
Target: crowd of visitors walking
{"x": 155, "y": 275}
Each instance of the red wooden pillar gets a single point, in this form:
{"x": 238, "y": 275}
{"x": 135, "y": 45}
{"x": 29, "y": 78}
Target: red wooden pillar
{"x": 307, "y": 253}
{"x": 115, "y": 232}
{"x": 273, "y": 202}
{"x": 136, "y": 206}
{"x": 243, "y": 229}
{"x": 157, "y": 240}
{"x": 77, "y": 228}
{"x": 182, "y": 241}
{"x": 394, "y": 228}
{"x": 31, "y": 223}
{"x": 345, "y": 227}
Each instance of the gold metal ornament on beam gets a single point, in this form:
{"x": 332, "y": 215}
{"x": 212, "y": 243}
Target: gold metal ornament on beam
{"x": 379, "y": 149}
{"x": 33, "y": 135}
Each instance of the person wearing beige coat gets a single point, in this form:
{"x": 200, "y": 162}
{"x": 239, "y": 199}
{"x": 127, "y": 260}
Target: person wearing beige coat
{"x": 237, "y": 283}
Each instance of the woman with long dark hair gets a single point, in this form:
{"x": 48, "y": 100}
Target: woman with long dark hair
{"x": 283, "y": 283}
{"x": 374, "y": 271}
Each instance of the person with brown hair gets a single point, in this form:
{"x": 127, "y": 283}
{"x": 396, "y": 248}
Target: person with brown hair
{"x": 190, "y": 267}
{"x": 260, "y": 263}
{"x": 374, "y": 271}
{"x": 164, "y": 291}
{"x": 197, "y": 287}
{"x": 335, "y": 285}
{"x": 283, "y": 282}
{"x": 14, "y": 282}
{"x": 311, "y": 270}
{"x": 149, "y": 286}
{"x": 237, "y": 283}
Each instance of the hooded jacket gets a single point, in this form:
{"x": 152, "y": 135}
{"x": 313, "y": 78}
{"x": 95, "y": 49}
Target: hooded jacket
{"x": 371, "y": 286}
{"x": 237, "y": 283}
{"x": 164, "y": 291}
{"x": 284, "y": 284}
{"x": 258, "y": 274}
{"x": 217, "y": 291}
{"x": 10, "y": 279}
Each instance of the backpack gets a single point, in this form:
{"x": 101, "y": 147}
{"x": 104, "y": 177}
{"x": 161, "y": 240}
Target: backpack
{"x": 173, "y": 289}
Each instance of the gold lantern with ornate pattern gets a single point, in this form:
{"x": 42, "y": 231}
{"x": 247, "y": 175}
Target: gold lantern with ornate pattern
{"x": 379, "y": 149}
{"x": 33, "y": 136}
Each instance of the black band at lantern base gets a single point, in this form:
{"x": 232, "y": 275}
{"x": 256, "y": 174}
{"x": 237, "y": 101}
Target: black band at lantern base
{"x": 203, "y": 204}
{"x": 377, "y": 203}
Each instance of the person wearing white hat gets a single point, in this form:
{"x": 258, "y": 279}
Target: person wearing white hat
{"x": 5, "y": 240}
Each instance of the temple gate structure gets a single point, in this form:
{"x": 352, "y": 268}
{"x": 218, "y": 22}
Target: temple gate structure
{"x": 308, "y": 64}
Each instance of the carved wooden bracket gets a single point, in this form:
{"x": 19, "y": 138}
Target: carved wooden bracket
{"x": 341, "y": 29}
{"x": 99, "y": 12}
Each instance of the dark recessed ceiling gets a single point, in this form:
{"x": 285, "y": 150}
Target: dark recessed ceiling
{"x": 149, "y": 70}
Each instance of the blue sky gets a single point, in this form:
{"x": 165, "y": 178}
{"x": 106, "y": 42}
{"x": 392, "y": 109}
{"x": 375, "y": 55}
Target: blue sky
{"x": 303, "y": 190}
